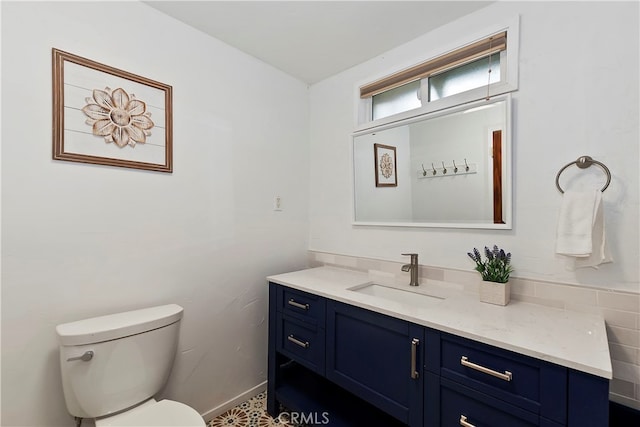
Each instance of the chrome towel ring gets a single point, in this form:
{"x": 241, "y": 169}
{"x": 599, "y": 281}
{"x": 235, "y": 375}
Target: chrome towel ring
{"x": 584, "y": 162}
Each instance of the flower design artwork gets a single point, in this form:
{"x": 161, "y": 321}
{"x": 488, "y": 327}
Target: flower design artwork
{"x": 386, "y": 165}
{"x": 118, "y": 116}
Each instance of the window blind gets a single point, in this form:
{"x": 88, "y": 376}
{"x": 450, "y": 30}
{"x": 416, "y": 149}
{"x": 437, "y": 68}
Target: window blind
{"x": 489, "y": 45}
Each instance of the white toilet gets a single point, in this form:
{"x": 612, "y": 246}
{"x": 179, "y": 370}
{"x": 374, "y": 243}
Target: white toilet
{"x": 113, "y": 365}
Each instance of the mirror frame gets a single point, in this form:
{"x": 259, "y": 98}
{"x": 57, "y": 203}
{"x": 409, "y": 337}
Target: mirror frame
{"x": 507, "y": 189}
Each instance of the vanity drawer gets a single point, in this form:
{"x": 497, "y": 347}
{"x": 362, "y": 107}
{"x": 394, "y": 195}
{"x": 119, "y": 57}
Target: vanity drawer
{"x": 302, "y": 342}
{"x": 462, "y": 406}
{"x": 301, "y": 305}
{"x": 529, "y": 383}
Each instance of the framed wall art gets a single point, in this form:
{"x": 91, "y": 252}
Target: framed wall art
{"x": 385, "y": 165}
{"x": 106, "y": 116}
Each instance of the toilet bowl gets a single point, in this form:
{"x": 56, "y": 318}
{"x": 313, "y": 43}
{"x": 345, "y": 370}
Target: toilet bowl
{"x": 112, "y": 367}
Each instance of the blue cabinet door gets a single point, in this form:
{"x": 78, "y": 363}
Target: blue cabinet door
{"x": 378, "y": 358}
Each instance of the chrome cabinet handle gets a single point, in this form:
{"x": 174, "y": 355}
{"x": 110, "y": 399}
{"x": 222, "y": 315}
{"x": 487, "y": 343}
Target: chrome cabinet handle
{"x": 298, "y": 305}
{"x": 464, "y": 423}
{"x": 414, "y": 353}
{"x": 507, "y": 376}
{"x": 88, "y": 355}
{"x": 296, "y": 341}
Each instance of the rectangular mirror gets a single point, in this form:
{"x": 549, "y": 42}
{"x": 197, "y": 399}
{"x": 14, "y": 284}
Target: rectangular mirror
{"x": 450, "y": 168}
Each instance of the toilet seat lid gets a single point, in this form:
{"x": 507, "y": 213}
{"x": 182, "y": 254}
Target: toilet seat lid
{"x": 165, "y": 413}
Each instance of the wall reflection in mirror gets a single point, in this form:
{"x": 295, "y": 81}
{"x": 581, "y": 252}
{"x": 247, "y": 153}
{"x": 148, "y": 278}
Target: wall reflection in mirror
{"x": 453, "y": 169}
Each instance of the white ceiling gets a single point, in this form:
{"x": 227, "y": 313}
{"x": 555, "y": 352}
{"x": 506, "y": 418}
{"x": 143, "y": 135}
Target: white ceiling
{"x": 312, "y": 40}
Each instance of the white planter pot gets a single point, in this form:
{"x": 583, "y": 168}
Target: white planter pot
{"x": 495, "y": 293}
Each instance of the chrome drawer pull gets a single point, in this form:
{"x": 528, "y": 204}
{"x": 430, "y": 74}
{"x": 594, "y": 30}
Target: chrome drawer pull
{"x": 464, "y": 423}
{"x": 414, "y": 351}
{"x": 507, "y": 376}
{"x": 298, "y": 305}
{"x": 298, "y": 342}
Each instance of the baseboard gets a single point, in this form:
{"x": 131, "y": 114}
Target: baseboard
{"x": 625, "y": 401}
{"x": 221, "y": 409}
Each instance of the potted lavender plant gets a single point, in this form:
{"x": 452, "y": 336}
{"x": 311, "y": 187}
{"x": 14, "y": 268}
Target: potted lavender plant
{"x": 495, "y": 271}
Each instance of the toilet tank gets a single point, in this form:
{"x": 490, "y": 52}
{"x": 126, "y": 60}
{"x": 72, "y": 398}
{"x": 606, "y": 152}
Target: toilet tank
{"x": 132, "y": 357}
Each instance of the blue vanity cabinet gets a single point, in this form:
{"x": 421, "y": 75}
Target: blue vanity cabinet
{"x": 378, "y": 358}
{"x": 297, "y": 377}
{"x": 342, "y": 365}
{"x": 475, "y": 384}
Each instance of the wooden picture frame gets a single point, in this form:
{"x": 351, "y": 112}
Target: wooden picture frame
{"x": 385, "y": 165}
{"x": 106, "y": 116}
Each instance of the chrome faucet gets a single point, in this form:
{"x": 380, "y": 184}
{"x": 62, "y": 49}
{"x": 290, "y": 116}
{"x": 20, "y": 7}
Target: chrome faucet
{"x": 413, "y": 268}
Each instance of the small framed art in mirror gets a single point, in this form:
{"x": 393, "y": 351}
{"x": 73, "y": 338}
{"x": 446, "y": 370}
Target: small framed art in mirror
{"x": 385, "y": 165}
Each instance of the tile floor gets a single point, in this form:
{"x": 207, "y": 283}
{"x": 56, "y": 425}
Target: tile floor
{"x": 251, "y": 413}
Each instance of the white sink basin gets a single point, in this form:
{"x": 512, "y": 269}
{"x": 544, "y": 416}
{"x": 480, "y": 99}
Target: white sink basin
{"x": 395, "y": 294}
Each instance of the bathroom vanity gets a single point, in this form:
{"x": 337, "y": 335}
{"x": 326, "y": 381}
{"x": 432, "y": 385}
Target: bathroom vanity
{"x": 344, "y": 351}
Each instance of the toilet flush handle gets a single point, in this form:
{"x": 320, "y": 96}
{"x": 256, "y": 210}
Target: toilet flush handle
{"x": 88, "y": 355}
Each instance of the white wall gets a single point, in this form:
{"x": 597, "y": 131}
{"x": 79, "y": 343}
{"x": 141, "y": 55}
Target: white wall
{"x": 81, "y": 240}
{"x": 578, "y": 95}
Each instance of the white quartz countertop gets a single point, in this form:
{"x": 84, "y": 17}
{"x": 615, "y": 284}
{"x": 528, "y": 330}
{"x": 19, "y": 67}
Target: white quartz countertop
{"x": 572, "y": 339}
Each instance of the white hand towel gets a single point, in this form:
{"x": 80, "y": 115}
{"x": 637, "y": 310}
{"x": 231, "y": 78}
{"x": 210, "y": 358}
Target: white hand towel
{"x": 580, "y": 233}
{"x": 600, "y": 252}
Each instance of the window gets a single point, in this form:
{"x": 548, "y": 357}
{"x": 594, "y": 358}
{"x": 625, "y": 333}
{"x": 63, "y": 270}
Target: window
{"x": 462, "y": 75}
{"x": 475, "y": 74}
{"x": 397, "y": 100}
